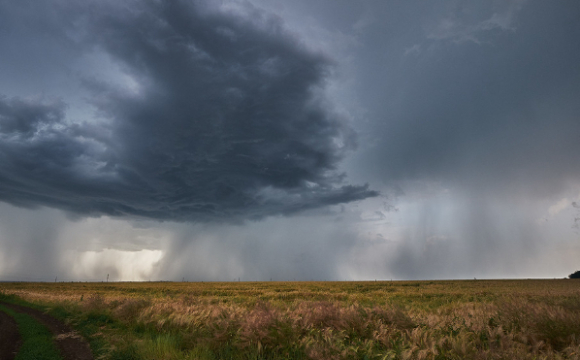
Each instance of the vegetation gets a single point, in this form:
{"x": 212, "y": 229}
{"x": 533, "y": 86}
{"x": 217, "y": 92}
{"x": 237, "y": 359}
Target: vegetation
{"x": 520, "y": 319}
{"x": 575, "y": 275}
{"x": 37, "y": 340}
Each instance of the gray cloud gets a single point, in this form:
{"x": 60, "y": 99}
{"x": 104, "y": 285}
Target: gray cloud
{"x": 210, "y": 115}
{"x": 466, "y": 21}
{"x": 498, "y": 115}
{"x": 23, "y": 118}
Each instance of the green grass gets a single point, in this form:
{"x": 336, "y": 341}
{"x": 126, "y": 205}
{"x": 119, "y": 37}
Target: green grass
{"x": 37, "y": 340}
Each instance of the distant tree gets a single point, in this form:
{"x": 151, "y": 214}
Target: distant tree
{"x": 576, "y": 275}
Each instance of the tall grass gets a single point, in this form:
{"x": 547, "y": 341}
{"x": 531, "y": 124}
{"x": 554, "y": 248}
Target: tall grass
{"x": 508, "y": 329}
{"x": 461, "y": 320}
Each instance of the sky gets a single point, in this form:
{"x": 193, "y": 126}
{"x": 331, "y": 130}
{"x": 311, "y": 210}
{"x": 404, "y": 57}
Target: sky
{"x": 257, "y": 140}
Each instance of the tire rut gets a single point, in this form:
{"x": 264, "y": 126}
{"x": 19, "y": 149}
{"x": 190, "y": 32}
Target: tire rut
{"x": 9, "y": 337}
{"x": 71, "y": 345}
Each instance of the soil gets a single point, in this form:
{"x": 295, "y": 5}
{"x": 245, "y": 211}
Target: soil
{"x": 71, "y": 345}
{"x": 9, "y": 337}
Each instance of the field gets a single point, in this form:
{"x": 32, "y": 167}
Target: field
{"x": 475, "y": 319}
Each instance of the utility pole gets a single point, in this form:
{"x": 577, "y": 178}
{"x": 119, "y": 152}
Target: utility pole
{"x": 107, "y": 277}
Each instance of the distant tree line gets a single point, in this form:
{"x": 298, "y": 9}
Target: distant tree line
{"x": 576, "y": 275}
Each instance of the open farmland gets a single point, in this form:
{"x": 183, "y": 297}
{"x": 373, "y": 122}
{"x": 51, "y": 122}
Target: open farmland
{"x": 475, "y": 319}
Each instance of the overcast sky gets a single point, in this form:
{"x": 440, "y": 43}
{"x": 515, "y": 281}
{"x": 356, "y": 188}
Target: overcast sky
{"x": 274, "y": 139}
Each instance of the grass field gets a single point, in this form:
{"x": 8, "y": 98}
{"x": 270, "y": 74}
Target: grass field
{"x": 476, "y": 319}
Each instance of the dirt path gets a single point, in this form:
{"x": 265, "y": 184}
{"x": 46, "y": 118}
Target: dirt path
{"x": 9, "y": 337}
{"x": 71, "y": 345}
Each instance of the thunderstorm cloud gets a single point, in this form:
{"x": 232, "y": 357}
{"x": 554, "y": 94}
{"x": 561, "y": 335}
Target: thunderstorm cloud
{"x": 200, "y": 114}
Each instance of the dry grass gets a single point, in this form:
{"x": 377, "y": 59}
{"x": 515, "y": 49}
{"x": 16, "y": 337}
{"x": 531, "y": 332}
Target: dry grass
{"x": 520, "y": 319}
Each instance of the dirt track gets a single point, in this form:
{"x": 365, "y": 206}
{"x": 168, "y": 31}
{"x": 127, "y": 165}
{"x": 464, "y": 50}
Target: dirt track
{"x": 71, "y": 345}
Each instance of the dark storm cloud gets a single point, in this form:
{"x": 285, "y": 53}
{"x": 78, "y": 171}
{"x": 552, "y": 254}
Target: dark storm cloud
{"x": 42, "y": 159}
{"x": 22, "y": 118}
{"x": 213, "y": 115}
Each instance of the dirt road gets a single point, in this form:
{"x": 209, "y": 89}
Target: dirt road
{"x": 71, "y": 345}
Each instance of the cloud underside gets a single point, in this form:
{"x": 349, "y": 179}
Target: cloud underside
{"x": 212, "y": 116}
